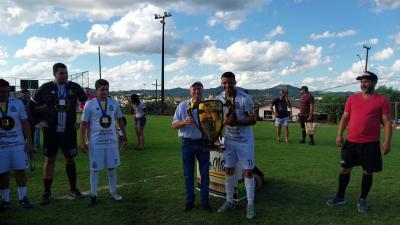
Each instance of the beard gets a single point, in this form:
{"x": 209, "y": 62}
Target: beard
{"x": 367, "y": 90}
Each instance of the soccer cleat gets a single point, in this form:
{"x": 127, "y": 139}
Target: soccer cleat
{"x": 302, "y": 141}
{"x": 25, "y": 203}
{"x": 362, "y": 206}
{"x": 46, "y": 199}
{"x": 188, "y": 206}
{"x": 227, "y": 206}
{"x": 251, "y": 211}
{"x": 93, "y": 201}
{"x": 115, "y": 196}
{"x": 336, "y": 201}
{"x": 312, "y": 143}
{"x": 75, "y": 193}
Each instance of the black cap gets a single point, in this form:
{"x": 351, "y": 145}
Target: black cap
{"x": 197, "y": 83}
{"x": 304, "y": 88}
{"x": 368, "y": 76}
{"x": 24, "y": 90}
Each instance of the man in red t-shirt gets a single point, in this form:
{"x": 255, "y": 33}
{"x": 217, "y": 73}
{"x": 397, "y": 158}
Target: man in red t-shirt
{"x": 89, "y": 95}
{"x": 363, "y": 115}
{"x": 306, "y": 113}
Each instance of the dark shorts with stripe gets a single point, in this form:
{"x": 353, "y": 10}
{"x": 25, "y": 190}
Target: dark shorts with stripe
{"x": 367, "y": 155}
{"x": 53, "y": 140}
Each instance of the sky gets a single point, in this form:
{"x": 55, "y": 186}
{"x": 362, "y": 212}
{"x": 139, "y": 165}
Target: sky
{"x": 318, "y": 43}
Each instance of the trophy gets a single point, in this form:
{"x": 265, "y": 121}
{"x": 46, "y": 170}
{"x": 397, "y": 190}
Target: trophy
{"x": 210, "y": 117}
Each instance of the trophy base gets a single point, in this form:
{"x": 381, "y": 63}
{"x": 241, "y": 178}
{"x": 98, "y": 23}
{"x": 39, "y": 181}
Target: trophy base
{"x": 213, "y": 147}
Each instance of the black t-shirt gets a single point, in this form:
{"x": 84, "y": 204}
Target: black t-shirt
{"x": 281, "y": 107}
{"x": 48, "y": 94}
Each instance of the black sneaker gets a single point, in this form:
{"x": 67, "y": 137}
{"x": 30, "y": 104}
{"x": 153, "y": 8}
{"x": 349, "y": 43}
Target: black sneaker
{"x": 25, "y": 203}
{"x": 336, "y": 201}
{"x": 206, "y": 207}
{"x": 93, "y": 201}
{"x": 5, "y": 204}
{"x": 188, "y": 206}
{"x": 302, "y": 141}
{"x": 46, "y": 199}
{"x": 75, "y": 193}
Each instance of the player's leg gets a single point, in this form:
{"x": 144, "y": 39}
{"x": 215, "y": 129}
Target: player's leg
{"x": 278, "y": 129}
{"x": 286, "y": 125}
{"x": 69, "y": 148}
{"x": 50, "y": 148}
{"x": 113, "y": 161}
{"x": 19, "y": 163}
{"x": 140, "y": 129}
{"x": 5, "y": 165}
{"x": 246, "y": 160}
{"x": 302, "y": 121}
{"x": 96, "y": 159}
{"x": 230, "y": 163}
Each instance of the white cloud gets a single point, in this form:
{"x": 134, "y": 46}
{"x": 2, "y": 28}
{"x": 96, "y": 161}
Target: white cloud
{"x": 380, "y": 5}
{"x": 129, "y": 75}
{"x": 181, "y": 81}
{"x": 396, "y": 38}
{"x": 136, "y": 33}
{"x": 332, "y": 45}
{"x": 65, "y": 25}
{"x": 41, "y": 71}
{"x": 308, "y": 57}
{"x": 330, "y": 69}
{"x": 3, "y": 55}
{"x": 328, "y": 34}
{"x": 396, "y": 66}
{"x": 179, "y": 65}
{"x": 372, "y": 41}
{"x": 17, "y": 15}
{"x": 230, "y": 20}
{"x": 49, "y": 49}
{"x": 383, "y": 55}
{"x": 275, "y": 32}
{"x": 316, "y": 83}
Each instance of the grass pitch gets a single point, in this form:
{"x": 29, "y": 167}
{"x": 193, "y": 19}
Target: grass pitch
{"x": 301, "y": 178}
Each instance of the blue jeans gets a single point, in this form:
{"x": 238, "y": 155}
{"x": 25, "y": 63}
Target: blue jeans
{"x": 37, "y": 137}
{"x": 191, "y": 151}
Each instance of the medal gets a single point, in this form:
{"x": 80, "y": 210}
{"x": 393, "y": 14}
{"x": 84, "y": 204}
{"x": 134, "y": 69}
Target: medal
{"x": 63, "y": 103}
{"x": 105, "y": 120}
{"x": 6, "y": 122}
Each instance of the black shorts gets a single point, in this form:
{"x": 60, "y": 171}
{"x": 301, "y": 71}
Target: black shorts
{"x": 367, "y": 155}
{"x": 67, "y": 141}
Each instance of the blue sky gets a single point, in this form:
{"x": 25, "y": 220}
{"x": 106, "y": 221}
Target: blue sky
{"x": 264, "y": 42}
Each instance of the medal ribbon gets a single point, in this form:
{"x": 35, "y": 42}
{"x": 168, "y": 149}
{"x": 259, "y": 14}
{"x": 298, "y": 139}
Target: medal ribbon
{"x": 62, "y": 92}
{"x": 104, "y": 112}
{"x": 4, "y": 113}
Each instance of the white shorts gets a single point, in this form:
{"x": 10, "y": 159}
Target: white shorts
{"x": 242, "y": 152}
{"x": 13, "y": 159}
{"x": 101, "y": 158}
{"x": 282, "y": 121}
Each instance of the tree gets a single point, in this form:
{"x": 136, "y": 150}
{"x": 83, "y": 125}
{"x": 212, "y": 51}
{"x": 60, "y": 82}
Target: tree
{"x": 333, "y": 105}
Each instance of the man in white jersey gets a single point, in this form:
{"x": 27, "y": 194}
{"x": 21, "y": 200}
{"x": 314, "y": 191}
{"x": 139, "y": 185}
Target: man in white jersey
{"x": 239, "y": 141}
{"x": 102, "y": 113}
{"x": 13, "y": 125}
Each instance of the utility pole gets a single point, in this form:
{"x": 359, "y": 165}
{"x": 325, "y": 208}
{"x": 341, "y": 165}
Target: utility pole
{"x": 99, "y": 62}
{"x": 155, "y": 84}
{"x": 162, "y": 17}
{"x": 366, "y": 58}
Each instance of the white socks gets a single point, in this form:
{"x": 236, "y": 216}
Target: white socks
{"x": 250, "y": 187}
{"x": 6, "y": 194}
{"x": 229, "y": 187}
{"x": 21, "y": 192}
{"x": 112, "y": 180}
{"x": 94, "y": 180}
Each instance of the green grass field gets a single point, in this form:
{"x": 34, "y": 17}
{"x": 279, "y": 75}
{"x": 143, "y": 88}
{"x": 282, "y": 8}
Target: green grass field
{"x": 302, "y": 178}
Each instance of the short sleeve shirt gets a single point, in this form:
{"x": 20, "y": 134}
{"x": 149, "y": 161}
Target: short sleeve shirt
{"x": 139, "y": 110}
{"x": 366, "y": 117}
{"x": 305, "y": 102}
{"x": 48, "y": 94}
{"x": 243, "y": 106}
{"x": 281, "y": 108}
{"x": 101, "y": 137}
{"x": 181, "y": 113}
{"x": 13, "y": 139}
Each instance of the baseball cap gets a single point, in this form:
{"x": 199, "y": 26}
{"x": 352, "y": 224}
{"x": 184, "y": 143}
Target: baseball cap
{"x": 197, "y": 83}
{"x": 368, "y": 76}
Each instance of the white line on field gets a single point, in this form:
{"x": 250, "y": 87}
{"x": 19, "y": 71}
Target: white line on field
{"x": 69, "y": 197}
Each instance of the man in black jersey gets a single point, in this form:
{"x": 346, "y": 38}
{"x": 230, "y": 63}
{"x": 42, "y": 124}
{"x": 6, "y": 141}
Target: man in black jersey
{"x": 59, "y": 99}
{"x": 281, "y": 105}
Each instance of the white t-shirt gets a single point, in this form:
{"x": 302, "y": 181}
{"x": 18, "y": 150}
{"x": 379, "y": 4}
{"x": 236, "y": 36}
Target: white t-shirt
{"x": 13, "y": 139}
{"x": 101, "y": 137}
{"x": 243, "y": 106}
{"x": 139, "y": 109}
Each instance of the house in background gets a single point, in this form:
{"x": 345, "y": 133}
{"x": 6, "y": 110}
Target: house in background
{"x": 265, "y": 113}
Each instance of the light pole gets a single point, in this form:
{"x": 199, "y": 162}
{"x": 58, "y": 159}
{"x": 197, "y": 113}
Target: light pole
{"x": 99, "y": 62}
{"x": 162, "y": 18}
{"x": 367, "y": 48}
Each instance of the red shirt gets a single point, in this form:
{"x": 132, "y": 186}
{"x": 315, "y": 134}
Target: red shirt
{"x": 366, "y": 117}
{"x": 305, "y": 101}
{"x": 82, "y": 104}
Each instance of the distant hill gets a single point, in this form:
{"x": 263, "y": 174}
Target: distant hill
{"x": 259, "y": 95}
